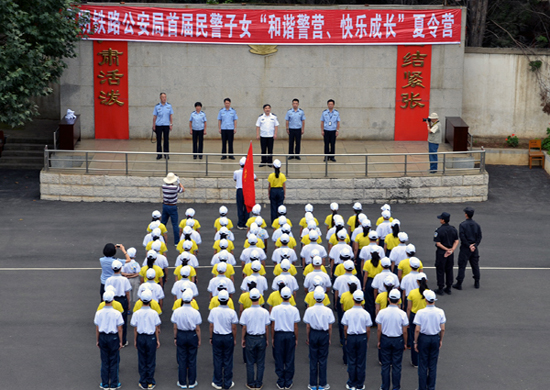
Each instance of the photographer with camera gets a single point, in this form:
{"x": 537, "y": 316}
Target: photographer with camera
{"x": 170, "y": 190}
{"x": 434, "y": 138}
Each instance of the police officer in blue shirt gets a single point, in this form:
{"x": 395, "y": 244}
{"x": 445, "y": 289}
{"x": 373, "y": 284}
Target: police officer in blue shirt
{"x": 197, "y": 128}
{"x": 330, "y": 127}
{"x": 162, "y": 124}
{"x": 295, "y": 126}
{"x": 227, "y": 127}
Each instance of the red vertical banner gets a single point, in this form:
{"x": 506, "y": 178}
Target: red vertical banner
{"x": 111, "y": 90}
{"x": 249, "y": 192}
{"x": 412, "y": 92}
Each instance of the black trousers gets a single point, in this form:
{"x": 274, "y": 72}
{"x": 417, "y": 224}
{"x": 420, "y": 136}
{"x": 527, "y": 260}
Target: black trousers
{"x": 330, "y": 141}
{"x": 267, "y": 148}
{"x": 294, "y": 136}
{"x": 198, "y": 139}
{"x": 466, "y": 255}
{"x": 227, "y": 141}
{"x": 162, "y": 131}
{"x": 444, "y": 268}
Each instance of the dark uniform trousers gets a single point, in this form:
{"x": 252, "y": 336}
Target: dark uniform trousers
{"x": 198, "y": 140}
{"x": 464, "y": 256}
{"x": 162, "y": 131}
{"x": 410, "y": 340}
{"x": 341, "y": 332}
{"x": 147, "y": 358}
{"x": 266, "y": 144}
{"x": 318, "y": 356}
{"x": 284, "y": 348}
{"x": 428, "y": 352}
{"x": 369, "y": 298}
{"x": 444, "y": 268}
{"x": 330, "y": 141}
{"x": 255, "y": 354}
{"x": 124, "y": 302}
{"x": 222, "y": 351}
{"x": 241, "y": 209}
{"x": 227, "y": 141}
{"x": 391, "y": 351}
{"x": 187, "y": 345}
{"x": 277, "y": 198}
{"x": 109, "y": 345}
{"x": 294, "y": 135}
{"x": 356, "y": 345}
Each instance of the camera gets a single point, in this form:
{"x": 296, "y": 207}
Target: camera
{"x": 426, "y": 120}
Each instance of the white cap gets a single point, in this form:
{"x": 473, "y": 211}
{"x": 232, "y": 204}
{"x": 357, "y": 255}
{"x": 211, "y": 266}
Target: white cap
{"x": 373, "y": 235}
{"x": 403, "y": 237}
{"x": 429, "y": 295}
{"x": 410, "y": 248}
{"x": 285, "y": 228}
{"x": 184, "y": 256}
{"x": 254, "y": 294}
{"x": 190, "y": 212}
{"x": 365, "y": 223}
{"x": 146, "y": 296}
{"x": 242, "y": 161}
{"x": 313, "y": 235}
{"x": 319, "y": 294}
{"x": 156, "y": 214}
{"x": 256, "y": 265}
{"x": 338, "y": 221}
{"x": 187, "y": 230}
{"x": 187, "y": 295}
{"x": 389, "y": 281}
{"x": 334, "y": 206}
{"x": 285, "y": 253}
{"x": 190, "y": 223}
{"x": 131, "y": 252}
{"x": 348, "y": 265}
{"x": 358, "y": 296}
{"x": 222, "y": 283}
{"x": 317, "y": 281}
{"x": 259, "y": 221}
{"x": 345, "y": 253}
{"x": 151, "y": 273}
{"x": 223, "y": 221}
{"x": 224, "y": 230}
{"x": 254, "y": 229}
{"x": 185, "y": 271}
{"x": 361, "y": 217}
{"x": 414, "y": 262}
{"x": 224, "y": 244}
{"x": 342, "y": 234}
{"x": 153, "y": 225}
{"x": 386, "y": 214}
{"x": 252, "y": 278}
{"x": 186, "y": 286}
{"x": 375, "y": 248}
{"x": 223, "y": 210}
{"x": 116, "y": 265}
{"x": 286, "y": 293}
{"x": 309, "y": 216}
{"x": 357, "y": 206}
{"x": 386, "y": 207}
{"x": 221, "y": 268}
{"x": 156, "y": 245}
{"x": 394, "y": 294}
{"x": 311, "y": 224}
{"x": 223, "y": 296}
{"x": 317, "y": 260}
{"x": 223, "y": 255}
{"x": 108, "y": 296}
{"x": 156, "y": 232}
{"x": 282, "y": 220}
{"x": 309, "y": 208}
{"x": 385, "y": 262}
{"x": 254, "y": 255}
{"x": 314, "y": 253}
{"x": 187, "y": 245}
{"x": 252, "y": 239}
{"x": 277, "y": 163}
{"x": 152, "y": 254}
{"x": 110, "y": 288}
{"x": 421, "y": 276}
{"x": 285, "y": 238}
{"x": 395, "y": 222}
{"x": 256, "y": 209}
{"x": 285, "y": 265}
{"x": 282, "y": 208}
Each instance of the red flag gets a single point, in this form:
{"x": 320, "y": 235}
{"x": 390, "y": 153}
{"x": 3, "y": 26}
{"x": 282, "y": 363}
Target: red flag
{"x": 249, "y": 192}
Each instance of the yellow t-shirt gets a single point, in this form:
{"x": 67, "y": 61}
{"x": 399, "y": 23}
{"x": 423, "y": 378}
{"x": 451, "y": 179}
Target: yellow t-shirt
{"x": 303, "y": 222}
{"x": 382, "y": 300}
{"x": 309, "y": 268}
{"x": 346, "y": 299}
{"x": 154, "y": 305}
{"x": 247, "y": 270}
{"x": 340, "y": 270}
{"x": 178, "y": 304}
{"x": 159, "y": 273}
{"x": 291, "y": 243}
{"x": 245, "y": 300}
{"x": 307, "y": 241}
{"x": 371, "y": 270}
{"x": 405, "y": 267}
{"x": 162, "y": 228}
{"x": 230, "y": 246}
{"x": 351, "y": 222}
{"x": 275, "y": 225}
{"x": 278, "y": 270}
{"x": 229, "y": 271}
{"x": 276, "y": 182}
{"x": 252, "y": 220}
{"x": 260, "y": 244}
{"x": 218, "y": 226}
{"x": 163, "y": 248}
{"x": 418, "y": 301}
{"x": 214, "y": 302}
{"x": 194, "y": 247}
{"x": 310, "y": 301}
{"x": 116, "y": 306}
{"x": 391, "y": 241}
{"x": 334, "y": 240}
{"x": 361, "y": 240}
{"x": 328, "y": 221}
{"x": 275, "y": 299}
{"x": 196, "y": 226}
{"x": 177, "y": 271}
{"x": 381, "y": 219}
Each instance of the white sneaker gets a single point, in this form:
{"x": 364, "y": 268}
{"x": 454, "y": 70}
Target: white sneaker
{"x": 181, "y": 386}
{"x": 193, "y": 385}
{"x": 216, "y": 386}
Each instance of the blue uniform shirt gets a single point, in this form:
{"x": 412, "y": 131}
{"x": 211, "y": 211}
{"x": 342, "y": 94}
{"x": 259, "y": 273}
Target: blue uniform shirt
{"x": 163, "y": 113}
{"x": 197, "y": 120}
{"x": 227, "y": 117}
{"x": 330, "y": 119}
{"x": 295, "y": 118}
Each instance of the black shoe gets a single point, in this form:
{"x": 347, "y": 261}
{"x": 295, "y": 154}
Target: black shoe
{"x": 332, "y": 159}
{"x": 291, "y": 157}
{"x": 261, "y": 165}
{"x": 159, "y": 156}
{"x": 433, "y": 171}
{"x": 476, "y": 284}
{"x": 200, "y": 157}
{"x": 224, "y": 157}
{"x": 231, "y": 158}
{"x": 270, "y": 165}
{"x": 458, "y": 286}
{"x": 439, "y": 291}
{"x": 297, "y": 158}
{"x": 448, "y": 291}
{"x": 325, "y": 159}
{"x": 194, "y": 157}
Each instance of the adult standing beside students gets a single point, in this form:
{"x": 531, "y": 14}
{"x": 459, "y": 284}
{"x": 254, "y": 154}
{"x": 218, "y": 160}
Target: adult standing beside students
{"x": 276, "y": 189}
{"x": 295, "y": 126}
{"x": 162, "y": 125}
{"x": 470, "y": 238}
{"x": 446, "y": 241}
{"x": 227, "y": 127}
{"x": 170, "y": 190}
{"x": 109, "y": 252}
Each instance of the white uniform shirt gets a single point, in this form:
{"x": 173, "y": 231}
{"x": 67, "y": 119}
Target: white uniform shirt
{"x": 255, "y": 318}
{"x": 230, "y": 259}
{"x": 357, "y": 320}
{"x": 278, "y": 233}
{"x": 365, "y": 254}
{"x": 383, "y": 230}
{"x": 392, "y": 319}
{"x": 245, "y": 254}
{"x": 305, "y": 232}
{"x": 308, "y": 282}
{"x": 267, "y": 124}
{"x": 261, "y": 235}
{"x": 148, "y": 238}
{"x": 186, "y": 318}
{"x": 108, "y": 320}
{"x": 193, "y": 261}
{"x": 277, "y": 253}
{"x": 306, "y": 250}
{"x": 285, "y": 316}
{"x": 398, "y": 253}
{"x": 261, "y": 283}
{"x": 215, "y": 282}
{"x": 230, "y": 236}
{"x": 176, "y": 289}
{"x": 238, "y": 177}
{"x": 161, "y": 261}
{"x": 156, "y": 289}
{"x": 342, "y": 283}
{"x": 356, "y": 232}
{"x": 145, "y": 320}
{"x": 319, "y": 317}
{"x": 120, "y": 283}
{"x": 409, "y": 283}
{"x": 196, "y": 236}
{"x": 430, "y": 319}
{"x": 290, "y": 280}
{"x": 223, "y": 318}
{"x": 335, "y": 251}
{"x": 378, "y": 281}
{"x": 330, "y": 232}
{"x": 131, "y": 268}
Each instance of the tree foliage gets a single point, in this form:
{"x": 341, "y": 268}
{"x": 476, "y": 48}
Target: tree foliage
{"x": 35, "y": 37}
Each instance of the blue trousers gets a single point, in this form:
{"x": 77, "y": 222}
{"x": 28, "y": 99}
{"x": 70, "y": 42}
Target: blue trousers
{"x": 318, "y": 355}
{"x": 172, "y": 213}
{"x": 284, "y": 349}
{"x": 187, "y": 345}
{"x": 241, "y": 209}
{"x": 277, "y": 198}
{"x": 410, "y": 341}
{"x": 147, "y": 358}
{"x": 255, "y": 355}
{"x": 341, "y": 333}
{"x": 391, "y": 351}
{"x": 428, "y": 352}
{"x": 369, "y": 299}
{"x": 356, "y": 346}
{"x": 124, "y": 302}
{"x": 109, "y": 345}
{"x": 432, "y": 148}
{"x": 222, "y": 351}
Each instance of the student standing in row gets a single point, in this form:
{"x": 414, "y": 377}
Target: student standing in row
{"x": 276, "y": 189}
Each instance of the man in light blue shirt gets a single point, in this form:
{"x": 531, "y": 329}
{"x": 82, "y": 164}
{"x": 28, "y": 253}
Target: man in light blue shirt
{"x": 295, "y": 126}
{"x": 330, "y": 127}
{"x": 227, "y": 127}
{"x": 197, "y": 128}
{"x": 162, "y": 124}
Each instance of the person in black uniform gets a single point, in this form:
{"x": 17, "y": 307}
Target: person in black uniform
{"x": 446, "y": 241}
{"x": 470, "y": 238}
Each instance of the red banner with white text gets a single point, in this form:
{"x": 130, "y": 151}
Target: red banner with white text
{"x": 274, "y": 27}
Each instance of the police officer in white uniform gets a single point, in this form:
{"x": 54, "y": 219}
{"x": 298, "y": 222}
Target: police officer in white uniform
{"x": 187, "y": 339}
{"x": 109, "y": 323}
{"x": 223, "y": 330}
{"x": 319, "y": 320}
{"x": 284, "y": 334}
{"x": 146, "y": 323}
{"x": 122, "y": 294}
{"x": 357, "y": 323}
{"x": 267, "y": 127}
{"x": 392, "y": 340}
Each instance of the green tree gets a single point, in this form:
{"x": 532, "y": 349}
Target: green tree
{"x": 35, "y": 37}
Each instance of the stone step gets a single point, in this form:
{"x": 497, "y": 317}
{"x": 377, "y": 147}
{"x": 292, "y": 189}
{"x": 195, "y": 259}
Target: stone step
{"x": 24, "y": 146}
{"x": 7, "y": 154}
{"x": 30, "y": 140}
{"x": 12, "y": 165}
